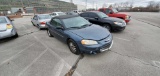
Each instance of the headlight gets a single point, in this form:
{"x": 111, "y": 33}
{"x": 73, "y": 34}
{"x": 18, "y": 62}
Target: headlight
{"x": 9, "y": 26}
{"x": 89, "y": 42}
{"x": 127, "y": 17}
{"x": 118, "y": 23}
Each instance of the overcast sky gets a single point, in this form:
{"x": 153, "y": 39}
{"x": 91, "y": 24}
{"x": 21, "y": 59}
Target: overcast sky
{"x": 108, "y": 2}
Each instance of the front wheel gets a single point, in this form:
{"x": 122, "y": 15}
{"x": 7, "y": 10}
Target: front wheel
{"x": 73, "y": 47}
{"x": 107, "y": 27}
{"x": 49, "y": 33}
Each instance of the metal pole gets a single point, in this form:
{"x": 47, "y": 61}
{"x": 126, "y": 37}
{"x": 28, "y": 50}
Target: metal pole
{"x": 22, "y": 3}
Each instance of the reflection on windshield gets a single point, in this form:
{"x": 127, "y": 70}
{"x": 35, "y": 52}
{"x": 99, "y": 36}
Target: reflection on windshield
{"x": 115, "y": 11}
{"x": 44, "y": 17}
{"x": 61, "y": 14}
{"x": 75, "y": 22}
{"x": 102, "y": 15}
{"x": 3, "y": 20}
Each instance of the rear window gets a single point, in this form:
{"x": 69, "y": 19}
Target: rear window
{"x": 44, "y": 17}
{"x": 3, "y": 20}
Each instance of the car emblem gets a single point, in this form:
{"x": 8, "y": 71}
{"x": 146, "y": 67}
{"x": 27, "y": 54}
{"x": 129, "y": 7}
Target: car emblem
{"x": 107, "y": 40}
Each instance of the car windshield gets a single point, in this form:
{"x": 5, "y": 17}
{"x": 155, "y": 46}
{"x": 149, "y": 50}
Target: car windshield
{"x": 61, "y": 13}
{"x": 102, "y": 15}
{"x": 44, "y": 17}
{"x": 115, "y": 11}
{"x": 75, "y": 22}
{"x": 3, "y": 20}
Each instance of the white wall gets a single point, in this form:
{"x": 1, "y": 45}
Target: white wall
{"x": 81, "y": 7}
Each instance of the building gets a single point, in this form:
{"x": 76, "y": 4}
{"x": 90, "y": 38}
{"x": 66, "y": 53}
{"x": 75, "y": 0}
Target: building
{"x": 39, "y": 6}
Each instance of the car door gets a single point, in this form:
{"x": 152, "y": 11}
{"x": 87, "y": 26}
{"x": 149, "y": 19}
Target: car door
{"x": 57, "y": 29}
{"x": 109, "y": 12}
{"x": 94, "y": 18}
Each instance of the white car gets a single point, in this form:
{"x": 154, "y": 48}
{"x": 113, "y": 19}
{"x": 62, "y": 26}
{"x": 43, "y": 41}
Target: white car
{"x": 53, "y": 14}
{"x": 6, "y": 28}
{"x": 40, "y": 20}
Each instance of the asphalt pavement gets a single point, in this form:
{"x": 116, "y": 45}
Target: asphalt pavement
{"x": 135, "y": 52}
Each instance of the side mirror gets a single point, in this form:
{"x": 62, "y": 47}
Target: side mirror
{"x": 111, "y": 12}
{"x": 96, "y": 18}
{"x": 12, "y": 19}
{"x": 59, "y": 27}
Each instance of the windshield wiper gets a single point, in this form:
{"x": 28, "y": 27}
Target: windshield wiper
{"x": 74, "y": 27}
{"x": 85, "y": 25}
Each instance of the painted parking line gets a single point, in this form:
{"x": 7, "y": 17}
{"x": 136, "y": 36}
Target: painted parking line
{"x": 55, "y": 54}
{"x": 32, "y": 62}
{"x": 122, "y": 39}
{"x": 58, "y": 68}
{"x": 16, "y": 54}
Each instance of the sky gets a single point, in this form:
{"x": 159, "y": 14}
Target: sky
{"x": 100, "y": 3}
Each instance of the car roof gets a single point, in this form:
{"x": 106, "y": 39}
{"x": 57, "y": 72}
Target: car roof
{"x": 2, "y": 16}
{"x": 92, "y": 12}
{"x": 57, "y": 12}
{"x": 41, "y": 14}
{"x": 66, "y": 16}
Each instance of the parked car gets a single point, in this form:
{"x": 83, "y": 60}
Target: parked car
{"x": 111, "y": 12}
{"x": 7, "y": 28}
{"x": 71, "y": 13}
{"x": 40, "y": 20}
{"x": 111, "y": 23}
{"x": 80, "y": 35}
{"x": 53, "y": 14}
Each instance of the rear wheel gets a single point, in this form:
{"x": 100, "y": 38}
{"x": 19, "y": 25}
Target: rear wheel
{"x": 73, "y": 47}
{"x": 39, "y": 27}
{"x": 49, "y": 33}
{"x": 33, "y": 24}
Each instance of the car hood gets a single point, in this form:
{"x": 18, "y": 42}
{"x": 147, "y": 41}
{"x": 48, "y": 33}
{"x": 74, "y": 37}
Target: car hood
{"x": 114, "y": 19}
{"x": 3, "y": 27}
{"x": 93, "y": 32}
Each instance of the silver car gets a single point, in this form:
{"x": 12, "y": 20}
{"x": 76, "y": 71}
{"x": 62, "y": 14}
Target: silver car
{"x": 54, "y": 14}
{"x": 40, "y": 20}
{"x": 6, "y": 28}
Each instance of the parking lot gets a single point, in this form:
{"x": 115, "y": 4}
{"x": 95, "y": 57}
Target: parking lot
{"x": 135, "y": 52}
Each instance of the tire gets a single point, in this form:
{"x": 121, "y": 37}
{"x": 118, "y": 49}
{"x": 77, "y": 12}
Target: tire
{"x": 73, "y": 47}
{"x": 16, "y": 35}
{"x": 107, "y": 26}
{"x": 32, "y": 23}
{"x": 49, "y": 34}
{"x": 39, "y": 27}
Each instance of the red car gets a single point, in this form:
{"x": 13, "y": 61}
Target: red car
{"x": 111, "y": 12}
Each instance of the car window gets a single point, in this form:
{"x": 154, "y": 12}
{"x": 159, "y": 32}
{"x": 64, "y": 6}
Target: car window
{"x": 108, "y": 11}
{"x": 61, "y": 14}
{"x": 102, "y": 15}
{"x": 93, "y": 15}
{"x": 56, "y": 22}
{"x": 84, "y": 15}
{"x": 101, "y": 10}
{"x": 35, "y": 17}
{"x": 44, "y": 17}
{"x": 3, "y": 20}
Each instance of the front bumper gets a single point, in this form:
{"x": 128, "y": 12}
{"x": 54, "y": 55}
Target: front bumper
{"x": 118, "y": 27}
{"x": 94, "y": 49}
{"x": 7, "y": 33}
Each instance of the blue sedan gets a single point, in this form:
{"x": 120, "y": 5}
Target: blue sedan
{"x": 80, "y": 35}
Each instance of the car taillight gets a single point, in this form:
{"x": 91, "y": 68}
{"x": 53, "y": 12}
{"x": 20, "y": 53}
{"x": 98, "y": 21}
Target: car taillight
{"x": 9, "y": 26}
{"x": 43, "y": 22}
